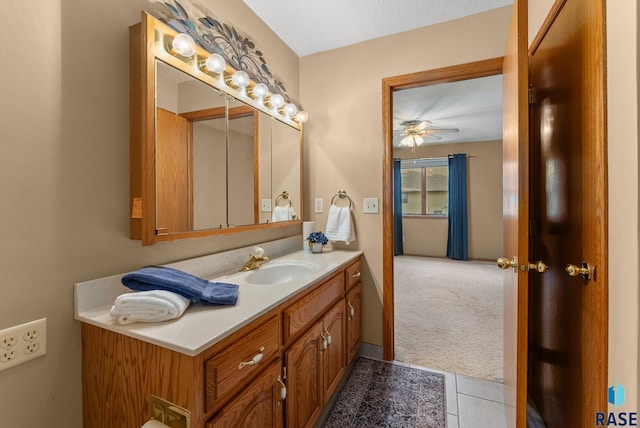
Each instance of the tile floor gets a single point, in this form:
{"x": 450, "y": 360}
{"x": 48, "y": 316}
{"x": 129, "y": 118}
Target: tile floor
{"x": 471, "y": 402}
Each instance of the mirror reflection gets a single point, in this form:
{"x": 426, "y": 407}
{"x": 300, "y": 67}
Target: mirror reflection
{"x": 219, "y": 162}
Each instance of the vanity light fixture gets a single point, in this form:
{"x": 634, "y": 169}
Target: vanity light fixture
{"x": 290, "y": 110}
{"x": 276, "y": 101}
{"x": 302, "y": 116}
{"x": 260, "y": 91}
{"x": 183, "y": 44}
{"x": 215, "y": 63}
{"x": 240, "y": 79}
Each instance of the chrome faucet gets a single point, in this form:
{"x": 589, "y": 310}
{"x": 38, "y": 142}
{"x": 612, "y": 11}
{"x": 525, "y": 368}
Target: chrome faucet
{"x": 255, "y": 260}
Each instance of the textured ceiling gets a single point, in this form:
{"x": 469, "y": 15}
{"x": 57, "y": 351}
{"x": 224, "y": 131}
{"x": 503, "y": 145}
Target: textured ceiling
{"x": 473, "y": 106}
{"x": 309, "y": 26}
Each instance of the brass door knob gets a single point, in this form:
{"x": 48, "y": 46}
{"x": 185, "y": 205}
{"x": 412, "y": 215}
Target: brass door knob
{"x": 586, "y": 270}
{"x": 538, "y": 267}
{"x": 505, "y": 263}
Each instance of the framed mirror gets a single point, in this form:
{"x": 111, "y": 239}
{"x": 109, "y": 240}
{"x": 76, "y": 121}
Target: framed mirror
{"x": 206, "y": 158}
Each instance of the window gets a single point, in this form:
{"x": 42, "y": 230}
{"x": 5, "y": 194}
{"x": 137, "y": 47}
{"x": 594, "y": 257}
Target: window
{"x": 425, "y": 187}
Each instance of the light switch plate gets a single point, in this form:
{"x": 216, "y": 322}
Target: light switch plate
{"x": 319, "y": 205}
{"x": 370, "y": 205}
{"x": 266, "y": 206}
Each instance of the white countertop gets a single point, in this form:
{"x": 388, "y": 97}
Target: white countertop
{"x": 202, "y": 326}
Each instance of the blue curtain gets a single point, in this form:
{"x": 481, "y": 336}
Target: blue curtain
{"x": 397, "y": 209}
{"x": 457, "y": 242}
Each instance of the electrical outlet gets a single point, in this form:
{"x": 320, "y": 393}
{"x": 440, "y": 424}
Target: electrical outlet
{"x": 319, "y": 205}
{"x": 266, "y": 206}
{"x": 7, "y": 355}
{"x": 21, "y": 343}
{"x": 8, "y": 342}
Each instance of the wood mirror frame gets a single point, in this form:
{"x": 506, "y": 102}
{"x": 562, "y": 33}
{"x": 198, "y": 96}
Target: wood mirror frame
{"x": 147, "y": 40}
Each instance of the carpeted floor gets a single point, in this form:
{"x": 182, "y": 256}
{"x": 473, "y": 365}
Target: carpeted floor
{"x": 379, "y": 394}
{"x": 449, "y": 315}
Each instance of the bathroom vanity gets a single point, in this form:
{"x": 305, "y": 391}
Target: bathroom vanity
{"x": 274, "y": 359}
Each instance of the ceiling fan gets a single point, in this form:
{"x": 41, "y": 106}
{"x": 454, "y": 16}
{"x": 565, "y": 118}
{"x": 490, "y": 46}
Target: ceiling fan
{"x": 415, "y": 131}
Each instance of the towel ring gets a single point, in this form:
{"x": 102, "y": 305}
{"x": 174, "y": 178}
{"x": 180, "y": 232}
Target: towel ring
{"x": 342, "y": 194}
{"x": 284, "y": 196}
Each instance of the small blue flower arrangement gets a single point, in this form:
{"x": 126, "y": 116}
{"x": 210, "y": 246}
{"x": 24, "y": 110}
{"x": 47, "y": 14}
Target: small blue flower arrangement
{"x": 317, "y": 238}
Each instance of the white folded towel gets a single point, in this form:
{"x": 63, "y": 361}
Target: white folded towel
{"x": 339, "y": 225}
{"x": 148, "y": 306}
{"x": 283, "y": 214}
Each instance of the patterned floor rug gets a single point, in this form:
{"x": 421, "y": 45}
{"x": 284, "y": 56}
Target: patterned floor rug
{"x": 379, "y": 394}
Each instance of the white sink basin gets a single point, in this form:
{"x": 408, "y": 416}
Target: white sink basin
{"x": 278, "y": 273}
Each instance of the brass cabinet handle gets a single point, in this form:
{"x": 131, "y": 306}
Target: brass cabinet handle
{"x": 283, "y": 388}
{"x": 255, "y": 360}
{"x": 352, "y": 311}
{"x": 356, "y": 275}
{"x": 586, "y": 270}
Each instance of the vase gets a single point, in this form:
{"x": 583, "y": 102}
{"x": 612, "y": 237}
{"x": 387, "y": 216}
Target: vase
{"x": 316, "y": 247}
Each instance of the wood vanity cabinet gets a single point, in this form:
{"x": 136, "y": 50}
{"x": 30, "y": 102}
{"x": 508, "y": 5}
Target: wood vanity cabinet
{"x": 306, "y": 343}
{"x": 353, "y": 300}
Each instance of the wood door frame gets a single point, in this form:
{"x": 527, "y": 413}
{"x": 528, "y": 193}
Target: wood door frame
{"x": 472, "y": 70}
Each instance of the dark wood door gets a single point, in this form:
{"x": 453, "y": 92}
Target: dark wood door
{"x": 568, "y": 315}
{"x": 515, "y": 215}
{"x": 304, "y": 379}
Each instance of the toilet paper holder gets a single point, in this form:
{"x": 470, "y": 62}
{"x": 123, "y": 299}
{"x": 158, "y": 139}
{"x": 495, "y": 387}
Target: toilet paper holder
{"x": 169, "y": 414}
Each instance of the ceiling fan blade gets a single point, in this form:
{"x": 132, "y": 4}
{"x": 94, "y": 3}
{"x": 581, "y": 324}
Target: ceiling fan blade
{"x": 433, "y": 136}
{"x": 422, "y": 125}
{"x": 443, "y": 130}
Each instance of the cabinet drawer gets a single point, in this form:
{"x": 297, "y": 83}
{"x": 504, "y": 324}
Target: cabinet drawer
{"x": 352, "y": 274}
{"x": 298, "y": 315}
{"x": 225, "y": 371}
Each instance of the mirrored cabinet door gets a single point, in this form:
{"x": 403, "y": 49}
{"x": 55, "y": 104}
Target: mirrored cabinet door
{"x": 243, "y": 163}
{"x": 190, "y": 153}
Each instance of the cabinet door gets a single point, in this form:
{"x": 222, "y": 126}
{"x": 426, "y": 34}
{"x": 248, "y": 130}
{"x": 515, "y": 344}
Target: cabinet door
{"x": 258, "y": 406}
{"x": 304, "y": 379}
{"x": 354, "y": 321}
{"x": 335, "y": 353}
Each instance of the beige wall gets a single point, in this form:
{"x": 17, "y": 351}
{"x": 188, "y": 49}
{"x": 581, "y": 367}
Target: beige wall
{"x": 64, "y": 180}
{"x": 622, "y": 93}
{"x": 428, "y": 236}
{"x": 341, "y": 90}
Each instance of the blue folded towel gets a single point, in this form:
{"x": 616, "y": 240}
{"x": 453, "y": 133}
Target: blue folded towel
{"x": 190, "y": 286}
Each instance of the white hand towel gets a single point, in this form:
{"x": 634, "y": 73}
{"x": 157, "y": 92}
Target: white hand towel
{"x": 148, "y": 306}
{"x": 282, "y": 214}
{"x": 339, "y": 225}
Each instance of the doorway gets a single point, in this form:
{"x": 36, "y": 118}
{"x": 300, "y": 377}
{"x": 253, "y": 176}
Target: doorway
{"x": 457, "y": 73}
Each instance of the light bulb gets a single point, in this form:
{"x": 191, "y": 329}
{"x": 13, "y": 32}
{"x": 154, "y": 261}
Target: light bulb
{"x": 183, "y": 44}
{"x": 240, "y": 79}
{"x": 215, "y": 63}
{"x": 276, "y": 101}
{"x": 290, "y": 110}
{"x": 260, "y": 91}
{"x": 302, "y": 116}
